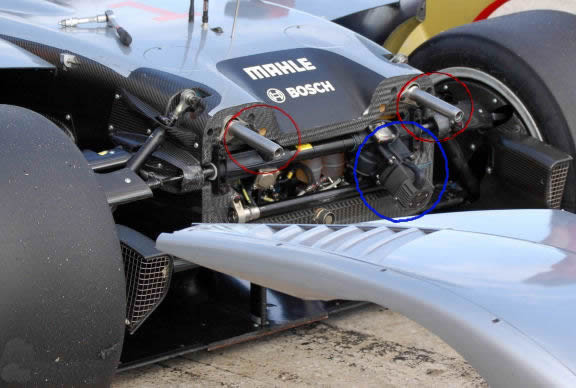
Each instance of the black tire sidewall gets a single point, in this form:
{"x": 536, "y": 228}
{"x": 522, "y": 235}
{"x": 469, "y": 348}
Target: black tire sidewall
{"x": 469, "y": 47}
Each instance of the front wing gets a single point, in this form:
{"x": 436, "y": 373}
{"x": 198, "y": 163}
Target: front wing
{"x": 504, "y": 302}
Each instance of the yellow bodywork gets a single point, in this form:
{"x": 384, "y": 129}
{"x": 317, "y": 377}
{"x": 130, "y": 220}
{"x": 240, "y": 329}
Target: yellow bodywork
{"x": 441, "y": 15}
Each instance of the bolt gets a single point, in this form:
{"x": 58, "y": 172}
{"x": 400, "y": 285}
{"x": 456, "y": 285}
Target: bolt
{"x": 68, "y": 117}
{"x": 480, "y": 111}
{"x": 117, "y": 96}
{"x": 127, "y": 321}
{"x": 196, "y": 145}
{"x": 390, "y": 161}
{"x": 395, "y": 198}
{"x": 110, "y": 127}
{"x": 445, "y": 87}
{"x": 112, "y": 152}
{"x": 148, "y": 131}
{"x": 489, "y": 170}
{"x": 473, "y": 147}
{"x": 128, "y": 180}
{"x": 495, "y": 101}
{"x": 159, "y": 165}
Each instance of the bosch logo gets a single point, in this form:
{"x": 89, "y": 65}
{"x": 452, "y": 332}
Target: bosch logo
{"x": 276, "y": 95}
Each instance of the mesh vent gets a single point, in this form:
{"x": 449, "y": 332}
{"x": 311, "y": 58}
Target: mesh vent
{"x": 556, "y": 183}
{"x": 147, "y": 282}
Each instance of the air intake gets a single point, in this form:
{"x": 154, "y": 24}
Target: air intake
{"x": 539, "y": 169}
{"x": 148, "y": 274}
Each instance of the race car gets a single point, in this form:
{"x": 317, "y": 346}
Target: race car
{"x": 136, "y": 133}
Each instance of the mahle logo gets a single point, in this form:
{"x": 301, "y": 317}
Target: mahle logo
{"x": 276, "y": 95}
{"x": 276, "y": 69}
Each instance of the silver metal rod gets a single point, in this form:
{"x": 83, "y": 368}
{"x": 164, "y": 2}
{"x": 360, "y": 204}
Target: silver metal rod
{"x": 421, "y": 97}
{"x": 266, "y": 147}
{"x": 72, "y": 22}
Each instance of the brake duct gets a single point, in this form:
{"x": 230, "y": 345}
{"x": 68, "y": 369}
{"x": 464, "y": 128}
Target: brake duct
{"x": 498, "y": 286}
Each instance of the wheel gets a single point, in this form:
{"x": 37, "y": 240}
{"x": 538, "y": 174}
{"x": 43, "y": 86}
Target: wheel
{"x": 62, "y": 292}
{"x": 527, "y": 60}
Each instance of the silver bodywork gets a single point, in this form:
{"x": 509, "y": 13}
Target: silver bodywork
{"x": 165, "y": 40}
{"x": 14, "y": 57}
{"x": 498, "y": 286}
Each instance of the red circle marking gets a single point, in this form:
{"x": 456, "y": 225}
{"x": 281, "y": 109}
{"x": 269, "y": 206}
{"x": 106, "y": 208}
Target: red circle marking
{"x": 428, "y": 74}
{"x": 261, "y": 172}
{"x": 490, "y": 9}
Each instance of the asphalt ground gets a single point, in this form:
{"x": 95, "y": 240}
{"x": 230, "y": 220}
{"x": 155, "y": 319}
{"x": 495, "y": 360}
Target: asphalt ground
{"x": 367, "y": 347}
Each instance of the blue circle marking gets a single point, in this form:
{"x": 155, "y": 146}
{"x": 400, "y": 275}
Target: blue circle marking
{"x": 358, "y": 183}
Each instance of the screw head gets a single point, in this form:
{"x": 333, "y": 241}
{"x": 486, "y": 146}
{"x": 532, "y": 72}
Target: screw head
{"x": 473, "y": 147}
{"x": 196, "y": 145}
{"x": 480, "y": 111}
{"x": 148, "y": 131}
{"x": 117, "y": 96}
{"x": 445, "y": 87}
{"x": 495, "y": 100}
{"x": 489, "y": 170}
{"x": 128, "y": 180}
{"x": 110, "y": 127}
{"x": 68, "y": 117}
{"x": 159, "y": 165}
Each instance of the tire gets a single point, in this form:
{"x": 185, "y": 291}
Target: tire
{"x": 62, "y": 292}
{"x": 534, "y": 55}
